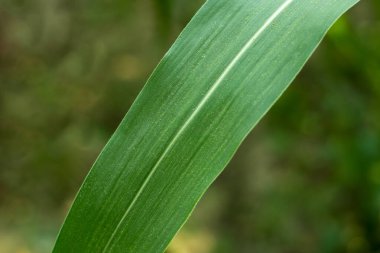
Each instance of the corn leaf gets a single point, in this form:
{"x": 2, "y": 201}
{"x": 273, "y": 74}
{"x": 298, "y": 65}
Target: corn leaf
{"x": 226, "y": 69}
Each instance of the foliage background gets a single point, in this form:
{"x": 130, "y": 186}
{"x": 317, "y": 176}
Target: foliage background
{"x": 306, "y": 180}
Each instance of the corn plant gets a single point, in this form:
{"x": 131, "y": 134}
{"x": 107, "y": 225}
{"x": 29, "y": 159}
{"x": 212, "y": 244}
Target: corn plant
{"x": 226, "y": 69}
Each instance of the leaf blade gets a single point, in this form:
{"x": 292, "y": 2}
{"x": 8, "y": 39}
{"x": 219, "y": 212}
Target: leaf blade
{"x": 200, "y": 118}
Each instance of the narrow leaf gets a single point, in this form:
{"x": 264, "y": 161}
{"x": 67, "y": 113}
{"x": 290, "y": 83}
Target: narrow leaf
{"x": 227, "y": 68}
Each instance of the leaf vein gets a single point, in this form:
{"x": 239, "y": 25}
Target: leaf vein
{"x": 210, "y": 92}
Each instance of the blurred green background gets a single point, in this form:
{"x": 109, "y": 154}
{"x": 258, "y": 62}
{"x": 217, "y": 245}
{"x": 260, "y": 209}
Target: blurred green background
{"x": 306, "y": 180}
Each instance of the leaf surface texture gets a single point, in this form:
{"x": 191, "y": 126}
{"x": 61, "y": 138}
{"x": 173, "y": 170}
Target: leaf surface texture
{"x": 227, "y": 68}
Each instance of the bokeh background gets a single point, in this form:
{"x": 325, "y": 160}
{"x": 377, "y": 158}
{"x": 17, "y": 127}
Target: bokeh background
{"x": 306, "y": 180}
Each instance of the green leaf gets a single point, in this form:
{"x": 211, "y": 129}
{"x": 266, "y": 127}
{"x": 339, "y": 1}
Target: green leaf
{"x": 227, "y": 68}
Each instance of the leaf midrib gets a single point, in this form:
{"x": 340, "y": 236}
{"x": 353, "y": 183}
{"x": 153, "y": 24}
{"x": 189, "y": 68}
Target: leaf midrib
{"x": 209, "y": 93}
